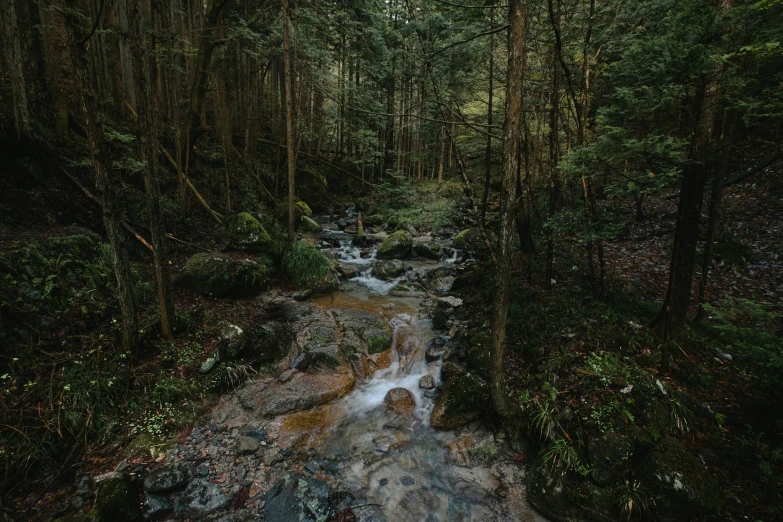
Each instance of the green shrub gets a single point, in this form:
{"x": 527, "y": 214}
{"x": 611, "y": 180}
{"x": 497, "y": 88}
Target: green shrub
{"x": 306, "y": 266}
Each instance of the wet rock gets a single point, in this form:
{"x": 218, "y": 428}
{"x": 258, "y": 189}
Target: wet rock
{"x": 430, "y": 250}
{"x": 404, "y": 289}
{"x": 347, "y": 271}
{"x": 308, "y": 226}
{"x": 301, "y": 362}
{"x": 297, "y": 499}
{"x": 117, "y": 500}
{"x": 441, "y": 315}
{"x": 245, "y": 233}
{"x": 270, "y": 341}
{"x": 377, "y": 340}
{"x": 685, "y": 489}
{"x": 609, "y": 454}
{"x": 469, "y": 238}
{"x": 464, "y": 398}
{"x": 232, "y": 341}
{"x": 388, "y": 270}
{"x": 400, "y": 400}
{"x": 247, "y": 445}
{"x": 200, "y": 499}
{"x": 427, "y": 382}
{"x": 441, "y": 286}
{"x": 258, "y": 434}
{"x": 209, "y": 364}
{"x": 156, "y": 507}
{"x": 169, "y": 477}
{"x": 219, "y": 275}
{"x": 439, "y": 348}
{"x": 397, "y": 245}
{"x": 302, "y": 392}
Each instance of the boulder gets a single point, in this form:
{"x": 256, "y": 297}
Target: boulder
{"x": 270, "y": 341}
{"x": 247, "y": 445}
{"x": 430, "y": 250}
{"x": 397, "y": 245}
{"x": 245, "y": 233}
{"x": 441, "y": 315}
{"x": 441, "y": 286}
{"x": 156, "y": 506}
{"x": 309, "y": 226}
{"x": 200, "y": 499}
{"x": 117, "y": 500}
{"x": 388, "y": 270}
{"x": 377, "y": 340}
{"x": 303, "y": 209}
{"x": 685, "y": 489}
{"x": 232, "y": 341}
{"x": 400, "y": 400}
{"x": 169, "y": 477}
{"x": 477, "y": 359}
{"x": 427, "y": 382}
{"x": 467, "y": 239}
{"x": 405, "y": 289}
{"x": 297, "y": 499}
{"x": 464, "y": 399}
{"x": 219, "y": 275}
{"x": 609, "y": 453}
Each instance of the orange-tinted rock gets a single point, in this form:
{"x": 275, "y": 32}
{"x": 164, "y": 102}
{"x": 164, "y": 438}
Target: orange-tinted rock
{"x": 400, "y": 400}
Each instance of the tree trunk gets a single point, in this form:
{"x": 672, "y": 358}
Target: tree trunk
{"x": 14, "y": 67}
{"x": 488, "y": 151}
{"x": 289, "y": 124}
{"x": 511, "y": 141}
{"x": 100, "y": 162}
{"x": 147, "y": 125}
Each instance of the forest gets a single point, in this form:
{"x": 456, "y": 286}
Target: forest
{"x": 363, "y": 260}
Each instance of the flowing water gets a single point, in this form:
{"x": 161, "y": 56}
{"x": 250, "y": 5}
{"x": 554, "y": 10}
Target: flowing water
{"x": 401, "y": 468}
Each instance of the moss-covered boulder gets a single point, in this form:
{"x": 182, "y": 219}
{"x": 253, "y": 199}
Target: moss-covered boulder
{"x": 407, "y": 289}
{"x": 388, "y": 270}
{"x": 465, "y": 397}
{"x": 468, "y": 239}
{"x": 312, "y": 187}
{"x": 609, "y": 454}
{"x": 377, "y": 340}
{"x": 117, "y": 500}
{"x": 429, "y": 250}
{"x": 245, "y": 233}
{"x": 396, "y": 246}
{"x": 303, "y": 209}
{"x": 270, "y": 341}
{"x": 309, "y": 226}
{"x": 477, "y": 359}
{"x": 685, "y": 489}
{"x": 566, "y": 497}
{"x": 220, "y": 275}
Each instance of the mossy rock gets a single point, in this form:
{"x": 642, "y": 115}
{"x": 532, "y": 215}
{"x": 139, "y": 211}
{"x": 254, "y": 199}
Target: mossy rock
{"x": 685, "y": 489}
{"x": 388, "y": 270}
{"x": 245, "y": 233}
{"x": 309, "y": 226}
{"x": 464, "y": 398}
{"x": 609, "y": 453}
{"x": 567, "y": 497}
{"x": 430, "y": 250}
{"x": 219, "y": 275}
{"x": 312, "y": 187}
{"x": 477, "y": 359}
{"x": 396, "y": 246}
{"x": 270, "y": 341}
{"x": 117, "y": 500}
{"x": 377, "y": 340}
{"x": 468, "y": 239}
{"x": 303, "y": 209}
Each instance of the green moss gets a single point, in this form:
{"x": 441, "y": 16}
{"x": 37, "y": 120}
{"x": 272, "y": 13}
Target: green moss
{"x": 303, "y": 209}
{"x": 397, "y": 245}
{"x": 117, "y": 501}
{"x": 218, "y": 275}
{"x": 245, "y": 233}
{"x": 467, "y": 238}
{"x": 377, "y": 340}
{"x": 478, "y": 353}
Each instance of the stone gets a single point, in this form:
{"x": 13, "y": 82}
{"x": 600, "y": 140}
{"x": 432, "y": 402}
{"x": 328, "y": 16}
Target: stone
{"x": 477, "y": 359}
{"x": 427, "y": 382}
{"x": 400, "y": 400}
{"x": 300, "y": 362}
{"x": 156, "y": 507}
{"x": 463, "y": 399}
{"x": 388, "y": 270}
{"x": 405, "y": 289}
{"x": 303, "y": 209}
{"x": 347, "y": 271}
{"x": 270, "y": 341}
{"x": 232, "y": 341}
{"x": 200, "y": 499}
{"x": 467, "y": 239}
{"x": 685, "y": 489}
{"x": 247, "y": 445}
{"x": 169, "y": 477}
{"x": 440, "y": 316}
{"x": 441, "y": 286}
{"x": 209, "y": 364}
{"x": 117, "y": 500}
{"x": 377, "y": 340}
{"x": 609, "y": 453}
{"x": 309, "y": 226}
{"x": 398, "y": 245}
{"x": 430, "y": 250}
{"x": 245, "y": 233}
{"x": 297, "y": 499}
{"x": 219, "y": 275}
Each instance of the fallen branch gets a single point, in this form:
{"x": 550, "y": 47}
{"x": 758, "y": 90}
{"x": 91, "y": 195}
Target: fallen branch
{"x": 91, "y": 196}
{"x": 218, "y": 217}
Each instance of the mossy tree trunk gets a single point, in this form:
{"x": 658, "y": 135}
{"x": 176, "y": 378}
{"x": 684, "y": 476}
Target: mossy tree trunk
{"x": 100, "y": 161}
{"x": 147, "y": 125}
{"x": 512, "y": 136}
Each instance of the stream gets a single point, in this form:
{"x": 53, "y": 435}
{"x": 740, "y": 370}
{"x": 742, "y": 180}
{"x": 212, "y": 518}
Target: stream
{"x": 319, "y": 441}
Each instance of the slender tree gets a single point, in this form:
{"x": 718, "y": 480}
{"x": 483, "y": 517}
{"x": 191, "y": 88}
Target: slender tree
{"x": 289, "y": 122}
{"x": 14, "y": 66}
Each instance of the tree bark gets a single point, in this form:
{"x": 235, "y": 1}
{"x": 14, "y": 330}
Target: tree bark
{"x": 289, "y": 124}
{"x": 512, "y": 134}
{"x": 111, "y": 218}
{"x": 14, "y": 66}
{"x": 147, "y": 125}
{"x": 488, "y": 151}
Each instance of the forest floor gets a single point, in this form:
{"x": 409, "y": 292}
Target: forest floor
{"x": 637, "y": 268}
